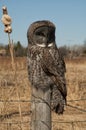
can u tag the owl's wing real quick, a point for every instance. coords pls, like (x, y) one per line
(54, 66)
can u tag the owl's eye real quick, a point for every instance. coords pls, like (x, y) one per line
(39, 33)
(51, 37)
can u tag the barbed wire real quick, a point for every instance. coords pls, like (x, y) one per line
(39, 101)
(76, 100)
(23, 100)
(53, 121)
(75, 107)
(9, 124)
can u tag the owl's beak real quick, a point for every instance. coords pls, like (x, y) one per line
(41, 45)
(50, 44)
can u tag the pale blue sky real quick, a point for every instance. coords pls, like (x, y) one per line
(69, 16)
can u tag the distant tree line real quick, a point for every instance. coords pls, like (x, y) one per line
(73, 51)
(19, 50)
(66, 51)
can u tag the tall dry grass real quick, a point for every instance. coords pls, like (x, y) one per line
(10, 111)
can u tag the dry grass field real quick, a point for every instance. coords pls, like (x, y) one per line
(15, 96)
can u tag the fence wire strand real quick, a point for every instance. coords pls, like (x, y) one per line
(2, 100)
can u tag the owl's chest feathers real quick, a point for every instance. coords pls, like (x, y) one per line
(35, 53)
(35, 63)
(36, 74)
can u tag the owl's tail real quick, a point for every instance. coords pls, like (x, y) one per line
(57, 101)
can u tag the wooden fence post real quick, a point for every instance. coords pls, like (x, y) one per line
(41, 111)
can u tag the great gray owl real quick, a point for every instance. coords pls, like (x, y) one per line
(46, 67)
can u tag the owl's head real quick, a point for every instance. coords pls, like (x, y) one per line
(41, 33)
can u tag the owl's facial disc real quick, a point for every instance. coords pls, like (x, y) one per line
(44, 36)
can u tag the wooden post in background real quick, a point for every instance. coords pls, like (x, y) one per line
(41, 111)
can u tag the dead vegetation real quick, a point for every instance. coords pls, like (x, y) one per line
(15, 96)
